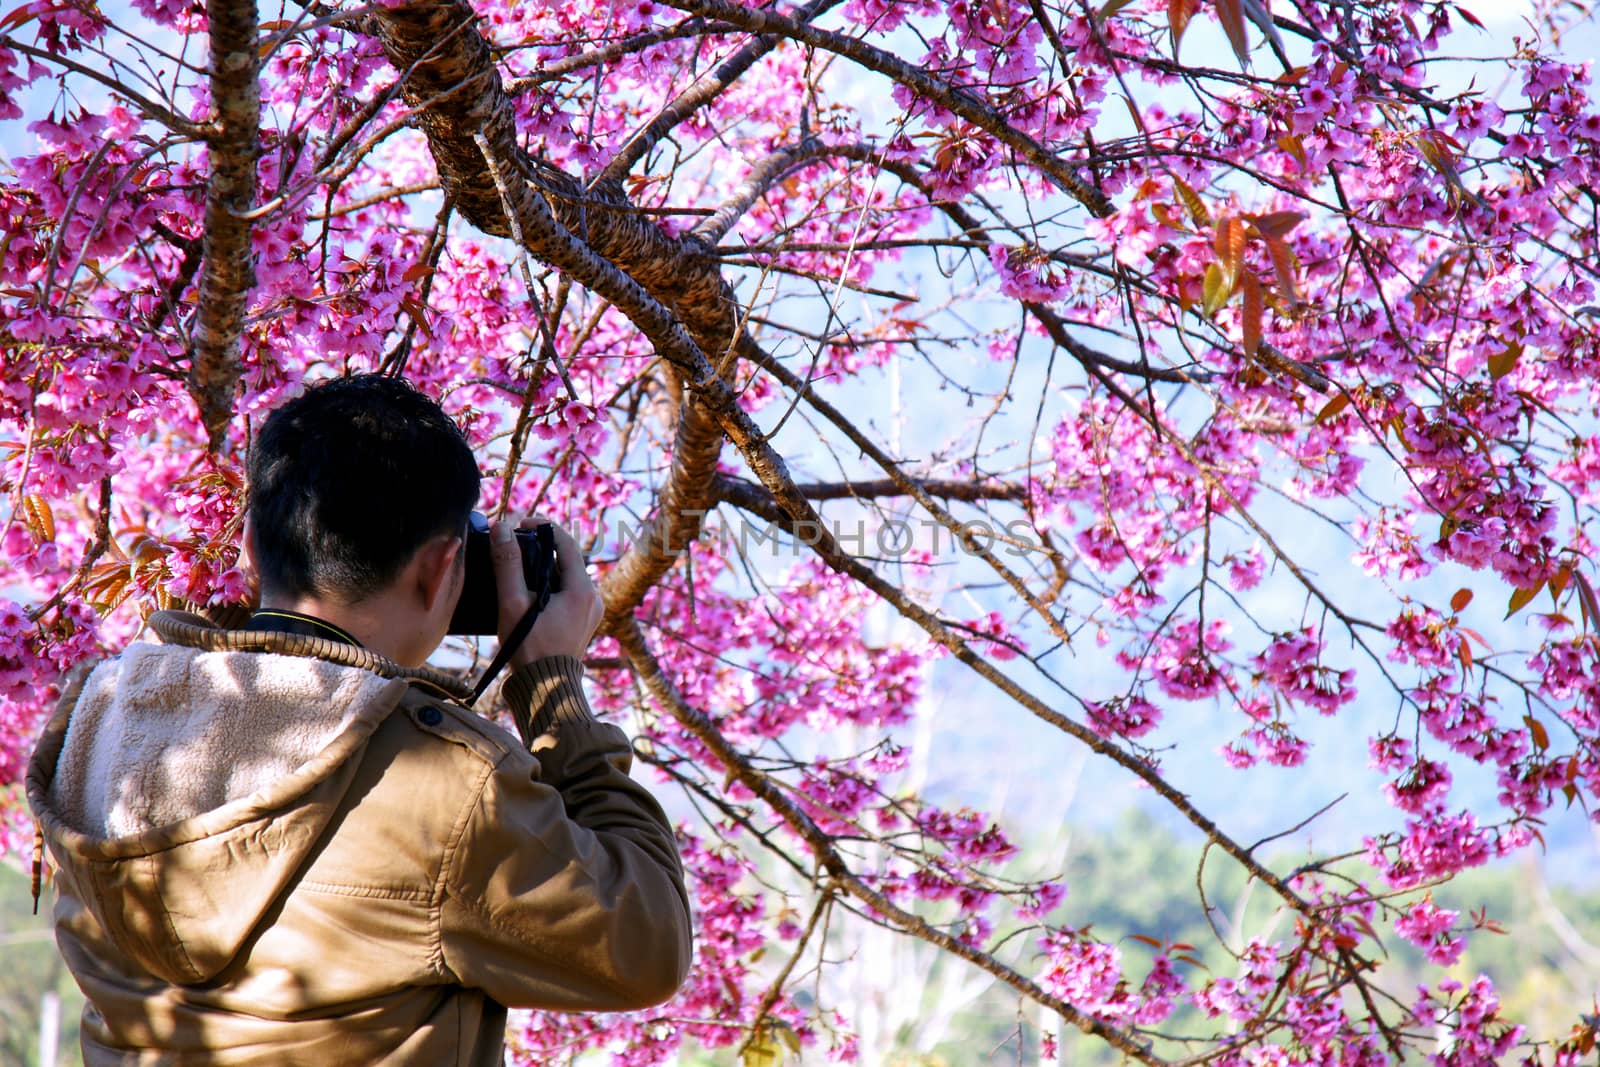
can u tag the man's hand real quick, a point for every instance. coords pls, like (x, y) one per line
(568, 622)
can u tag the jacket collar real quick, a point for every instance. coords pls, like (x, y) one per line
(298, 622)
(195, 631)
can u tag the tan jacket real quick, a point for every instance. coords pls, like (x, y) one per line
(269, 858)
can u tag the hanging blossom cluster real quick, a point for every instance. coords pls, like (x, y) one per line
(1318, 284)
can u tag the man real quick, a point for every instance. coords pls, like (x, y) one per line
(287, 845)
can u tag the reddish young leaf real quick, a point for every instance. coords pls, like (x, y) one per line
(21, 15)
(1536, 730)
(1252, 314)
(1231, 12)
(1285, 266)
(1520, 599)
(1191, 201)
(1462, 598)
(1332, 408)
(1586, 600)
(1179, 12)
(1109, 8)
(1229, 246)
(1291, 143)
(40, 520)
(1558, 582)
(1276, 223)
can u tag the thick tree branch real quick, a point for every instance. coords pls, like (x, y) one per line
(671, 288)
(228, 272)
(715, 396)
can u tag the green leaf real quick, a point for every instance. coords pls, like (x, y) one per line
(766, 1047)
(762, 1052)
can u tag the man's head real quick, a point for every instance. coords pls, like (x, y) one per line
(348, 482)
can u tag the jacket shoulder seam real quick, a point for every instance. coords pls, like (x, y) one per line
(464, 727)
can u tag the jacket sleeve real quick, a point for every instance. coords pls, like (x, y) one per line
(563, 888)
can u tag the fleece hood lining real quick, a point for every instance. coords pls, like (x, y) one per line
(150, 756)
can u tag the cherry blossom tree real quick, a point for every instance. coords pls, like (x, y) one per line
(1089, 343)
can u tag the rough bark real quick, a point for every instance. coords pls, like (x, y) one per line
(228, 272)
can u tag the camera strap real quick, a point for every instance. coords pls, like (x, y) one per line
(513, 641)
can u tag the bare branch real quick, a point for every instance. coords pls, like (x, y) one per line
(953, 99)
(698, 95)
(649, 671)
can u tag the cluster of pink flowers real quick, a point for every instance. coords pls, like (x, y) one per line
(1241, 998)
(1184, 660)
(1088, 975)
(1291, 665)
(1477, 1035)
(1430, 927)
(1129, 717)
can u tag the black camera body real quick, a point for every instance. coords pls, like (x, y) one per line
(478, 610)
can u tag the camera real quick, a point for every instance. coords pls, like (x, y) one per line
(478, 610)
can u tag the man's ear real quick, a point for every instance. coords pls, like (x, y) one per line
(247, 561)
(436, 567)
(247, 552)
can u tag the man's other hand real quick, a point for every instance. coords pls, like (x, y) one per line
(567, 624)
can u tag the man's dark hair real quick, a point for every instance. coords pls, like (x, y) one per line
(348, 480)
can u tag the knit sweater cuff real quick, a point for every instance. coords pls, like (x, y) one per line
(547, 692)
